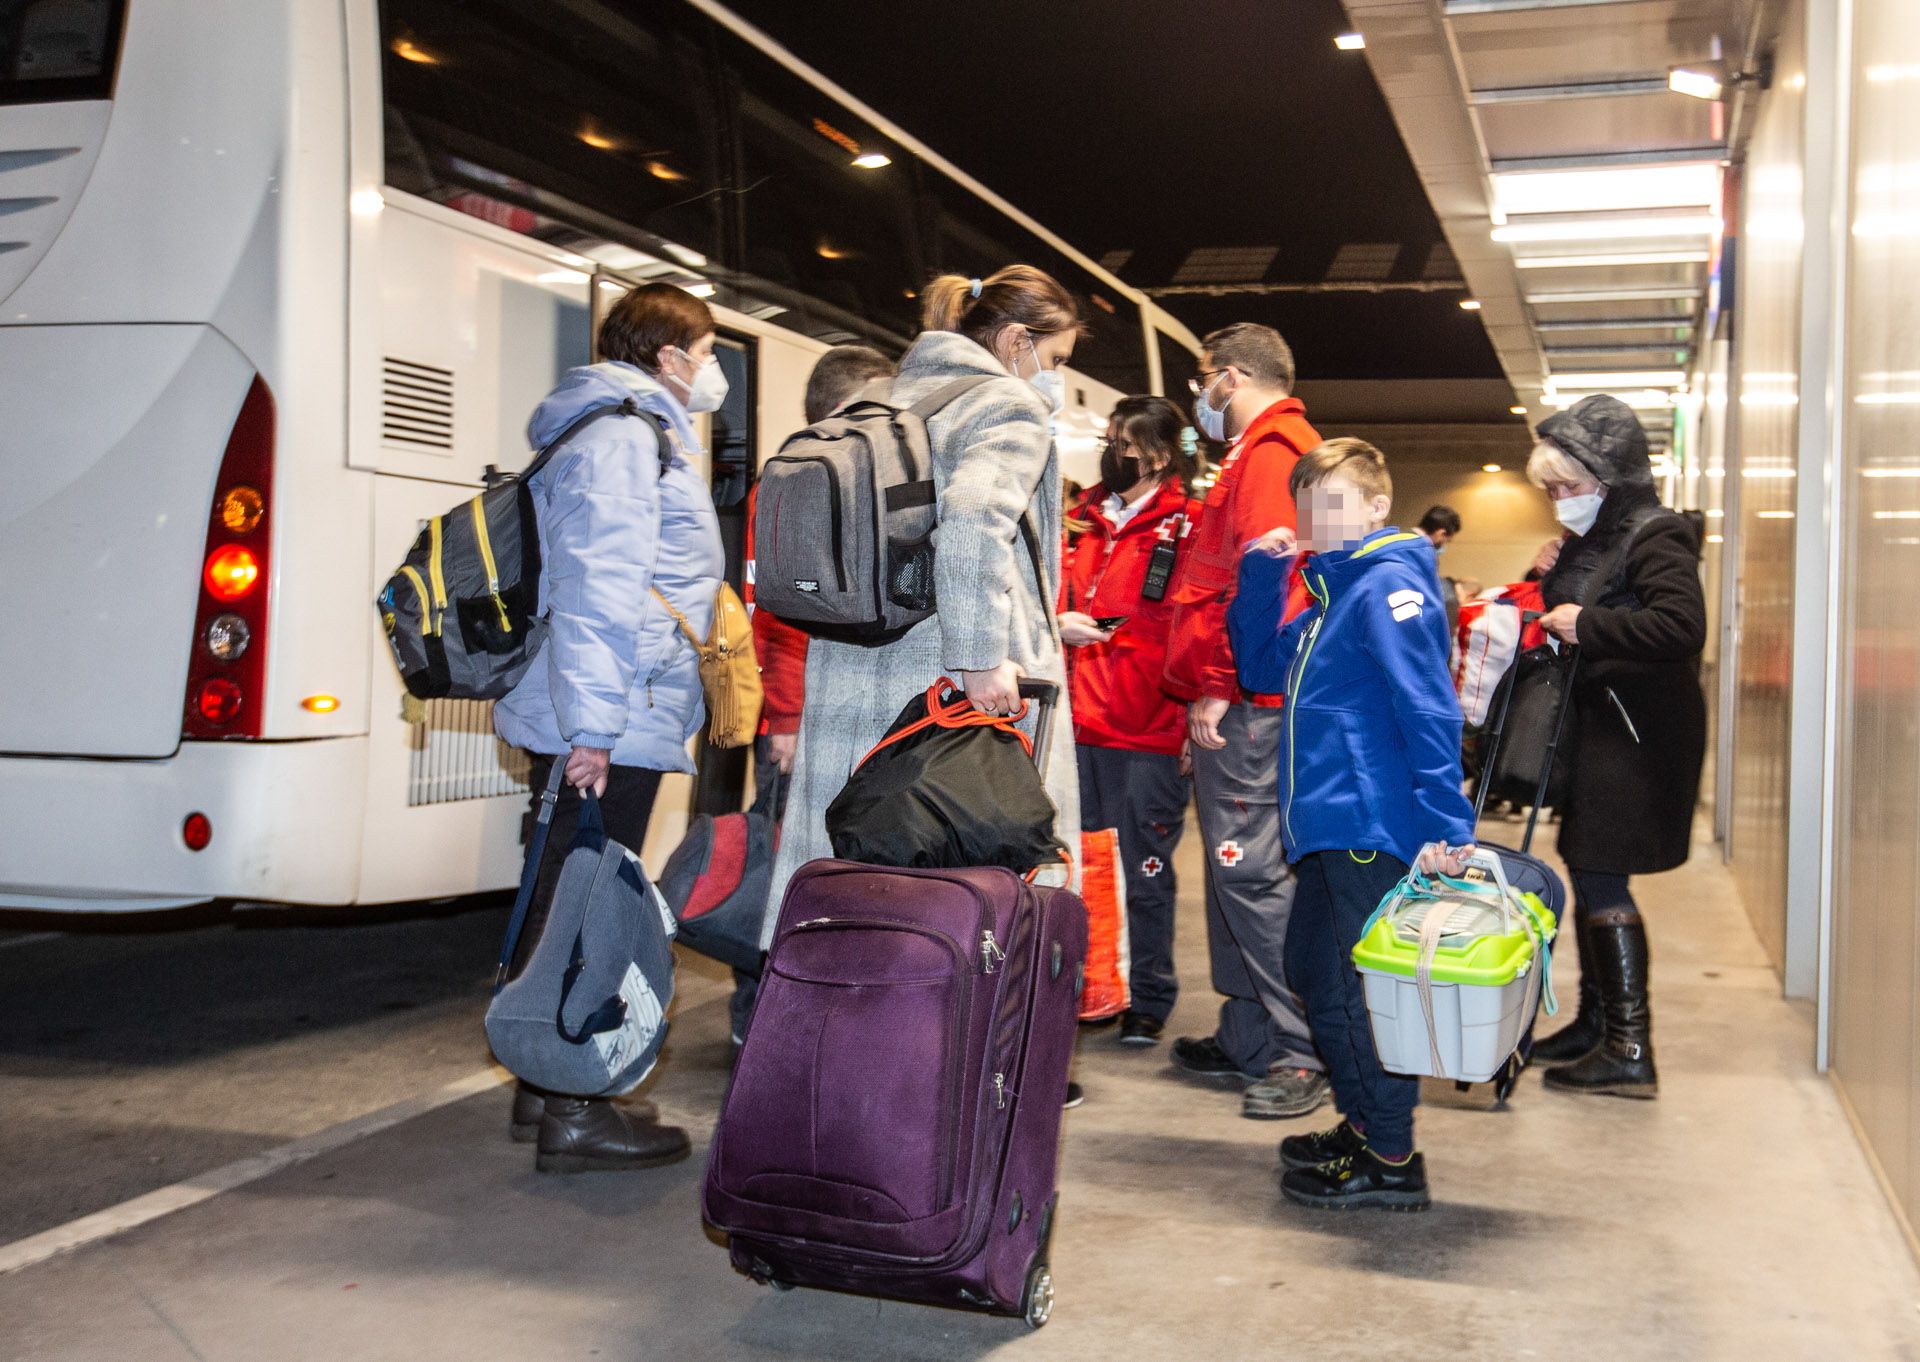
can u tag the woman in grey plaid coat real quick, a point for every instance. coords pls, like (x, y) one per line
(993, 461)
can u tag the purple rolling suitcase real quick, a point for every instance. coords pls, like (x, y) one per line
(893, 1126)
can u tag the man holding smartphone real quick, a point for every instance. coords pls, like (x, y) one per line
(1242, 396)
(1122, 553)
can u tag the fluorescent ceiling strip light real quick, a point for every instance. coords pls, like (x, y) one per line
(1692, 184)
(1574, 262)
(1611, 229)
(1620, 378)
(1649, 400)
(1615, 295)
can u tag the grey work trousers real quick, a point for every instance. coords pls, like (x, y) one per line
(1250, 895)
(1143, 796)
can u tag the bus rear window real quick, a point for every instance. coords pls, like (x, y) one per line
(58, 49)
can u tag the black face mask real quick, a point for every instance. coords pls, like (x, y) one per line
(1118, 471)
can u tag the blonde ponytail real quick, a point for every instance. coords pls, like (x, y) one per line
(944, 302)
(1018, 295)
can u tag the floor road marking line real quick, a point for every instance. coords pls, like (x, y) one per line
(88, 1229)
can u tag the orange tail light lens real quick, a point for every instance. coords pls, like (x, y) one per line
(232, 572)
(241, 508)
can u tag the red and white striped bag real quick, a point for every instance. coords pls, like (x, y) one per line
(1492, 634)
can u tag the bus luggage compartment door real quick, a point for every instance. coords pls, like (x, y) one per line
(108, 455)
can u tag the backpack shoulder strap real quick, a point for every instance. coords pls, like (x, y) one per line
(946, 393)
(629, 407)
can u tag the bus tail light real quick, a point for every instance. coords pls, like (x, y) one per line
(227, 673)
(196, 831)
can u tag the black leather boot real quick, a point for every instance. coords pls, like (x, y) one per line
(530, 1104)
(1623, 1064)
(1581, 1036)
(592, 1134)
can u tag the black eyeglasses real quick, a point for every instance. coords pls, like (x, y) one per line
(1111, 443)
(1203, 380)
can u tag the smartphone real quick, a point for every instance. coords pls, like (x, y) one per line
(1108, 623)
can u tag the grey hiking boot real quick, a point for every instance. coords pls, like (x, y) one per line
(1287, 1091)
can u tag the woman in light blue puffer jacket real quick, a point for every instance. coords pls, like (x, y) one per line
(615, 692)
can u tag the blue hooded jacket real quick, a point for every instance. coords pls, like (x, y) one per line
(1370, 744)
(616, 672)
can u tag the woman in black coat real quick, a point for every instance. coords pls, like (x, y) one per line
(1626, 589)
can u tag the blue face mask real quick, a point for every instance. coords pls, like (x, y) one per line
(1049, 383)
(1212, 420)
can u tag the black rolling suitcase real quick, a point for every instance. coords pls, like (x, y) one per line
(1550, 680)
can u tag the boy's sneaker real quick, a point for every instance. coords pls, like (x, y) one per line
(1354, 1181)
(1202, 1055)
(1287, 1091)
(1137, 1028)
(1322, 1146)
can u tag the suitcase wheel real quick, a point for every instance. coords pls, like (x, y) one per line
(1037, 1305)
(1059, 959)
(779, 1285)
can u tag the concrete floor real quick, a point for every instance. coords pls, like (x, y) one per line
(1735, 1218)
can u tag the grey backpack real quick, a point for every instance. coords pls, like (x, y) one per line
(586, 1013)
(459, 611)
(843, 536)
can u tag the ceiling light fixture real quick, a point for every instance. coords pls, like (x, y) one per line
(1469, 304)
(1712, 80)
(1611, 229)
(1575, 262)
(1517, 409)
(596, 139)
(872, 160)
(1621, 378)
(407, 50)
(660, 170)
(1699, 84)
(1350, 42)
(1682, 184)
(1489, 468)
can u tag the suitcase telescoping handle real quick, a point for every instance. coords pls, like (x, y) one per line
(1045, 695)
(1570, 660)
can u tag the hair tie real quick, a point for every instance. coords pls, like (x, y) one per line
(973, 287)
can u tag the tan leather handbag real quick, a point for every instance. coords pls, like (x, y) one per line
(729, 671)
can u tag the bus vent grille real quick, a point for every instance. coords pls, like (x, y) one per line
(456, 756)
(416, 405)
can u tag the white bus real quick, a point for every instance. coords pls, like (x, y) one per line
(279, 279)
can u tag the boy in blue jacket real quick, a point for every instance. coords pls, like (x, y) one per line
(1369, 784)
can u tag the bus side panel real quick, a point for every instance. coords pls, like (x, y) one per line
(471, 334)
(431, 827)
(482, 329)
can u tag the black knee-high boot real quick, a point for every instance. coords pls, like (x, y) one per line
(1581, 1036)
(1622, 1066)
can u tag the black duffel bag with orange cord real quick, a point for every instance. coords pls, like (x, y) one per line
(952, 788)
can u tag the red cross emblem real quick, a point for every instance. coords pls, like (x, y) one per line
(1166, 532)
(1229, 854)
(1151, 867)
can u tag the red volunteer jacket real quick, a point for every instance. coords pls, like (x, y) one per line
(780, 649)
(1117, 700)
(1249, 498)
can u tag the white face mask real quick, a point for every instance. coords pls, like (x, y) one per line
(1579, 513)
(709, 387)
(1049, 383)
